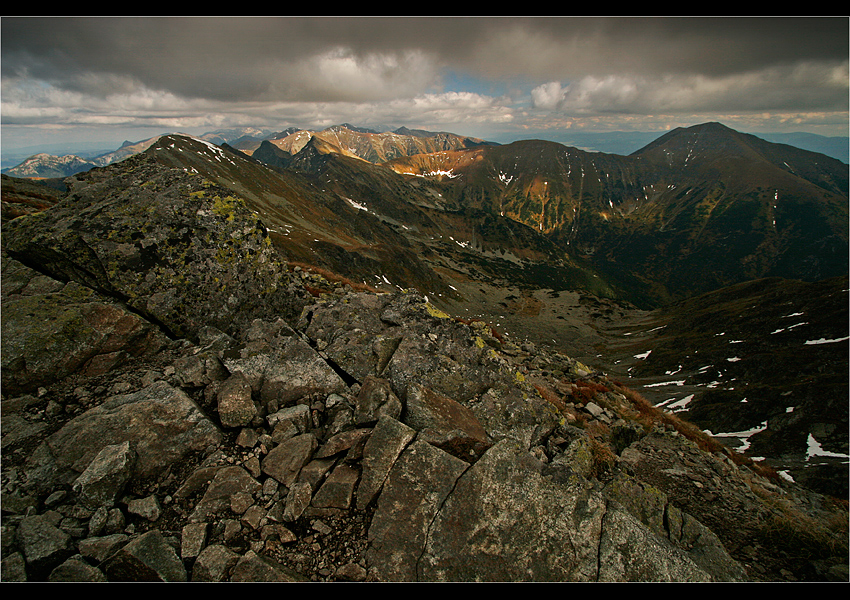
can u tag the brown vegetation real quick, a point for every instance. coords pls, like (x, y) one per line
(650, 415)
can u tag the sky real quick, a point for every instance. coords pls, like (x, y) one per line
(110, 79)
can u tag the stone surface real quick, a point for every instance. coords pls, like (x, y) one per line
(285, 461)
(227, 483)
(235, 404)
(146, 558)
(76, 570)
(104, 479)
(418, 484)
(46, 337)
(376, 399)
(445, 423)
(43, 544)
(162, 424)
(388, 440)
(214, 564)
(338, 489)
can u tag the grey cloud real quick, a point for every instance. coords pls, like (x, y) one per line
(241, 58)
(302, 71)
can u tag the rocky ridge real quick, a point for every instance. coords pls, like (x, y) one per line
(189, 407)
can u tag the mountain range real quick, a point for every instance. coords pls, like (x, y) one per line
(707, 270)
(482, 228)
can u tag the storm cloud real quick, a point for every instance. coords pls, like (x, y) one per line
(475, 74)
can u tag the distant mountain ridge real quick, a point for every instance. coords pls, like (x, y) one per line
(380, 144)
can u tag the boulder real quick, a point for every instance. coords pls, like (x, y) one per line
(104, 479)
(162, 425)
(68, 329)
(148, 557)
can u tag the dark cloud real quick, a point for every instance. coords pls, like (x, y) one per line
(242, 57)
(234, 70)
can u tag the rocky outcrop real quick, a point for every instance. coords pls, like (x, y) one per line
(222, 424)
(175, 248)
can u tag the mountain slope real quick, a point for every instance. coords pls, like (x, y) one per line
(696, 210)
(762, 365)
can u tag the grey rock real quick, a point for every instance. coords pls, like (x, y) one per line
(75, 569)
(453, 374)
(283, 371)
(97, 523)
(297, 500)
(147, 508)
(43, 544)
(387, 441)
(228, 482)
(99, 549)
(509, 411)
(114, 521)
(104, 479)
(254, 517)
(46, 337)
(578, 457)
(632, 553)
(253, 567)
(343, 442)
(593, 408)
(315, 471)
(200, 369)
(148, 557)
(445, 423)
(142, 242)
(338, 489)
(14, 568)
(298, 415)
(511, 522)
(285, 461)
(162, 424)
(418, 484)
(351, 333)
(214, 564)
(18, 430)
(235, 405)
(376, 399)
(350, 572)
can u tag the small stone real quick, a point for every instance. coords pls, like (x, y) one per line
(214, 563)
(147, 508)
(75, 569)
(235, 406)
(104, 479)
(350, 572)
(193, 540)
(149, 557)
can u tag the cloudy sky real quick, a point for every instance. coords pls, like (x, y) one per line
(111, 79)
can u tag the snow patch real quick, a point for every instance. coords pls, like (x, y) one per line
(825, 341)
(815, 449)
(742, 435)
(677, 382)
(356, 205)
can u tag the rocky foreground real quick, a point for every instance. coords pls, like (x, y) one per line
(180, 405)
